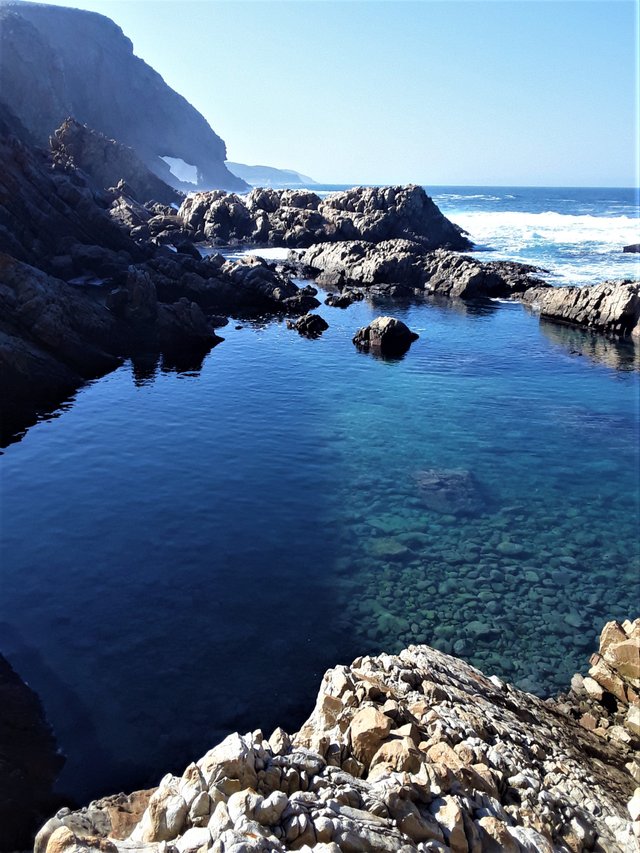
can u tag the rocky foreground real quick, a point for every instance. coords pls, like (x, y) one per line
(411, 752)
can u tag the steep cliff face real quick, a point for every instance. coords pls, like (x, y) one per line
(57, 62)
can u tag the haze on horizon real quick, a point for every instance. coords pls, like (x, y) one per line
(519, 93)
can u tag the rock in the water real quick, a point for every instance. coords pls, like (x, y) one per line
(634, 248)
(309, 325)
(612, 307)
(385, 335)
(343, 299)
(451, 491)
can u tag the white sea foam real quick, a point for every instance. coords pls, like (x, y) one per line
(530, 229)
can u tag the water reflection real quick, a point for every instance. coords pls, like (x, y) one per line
(613, 352)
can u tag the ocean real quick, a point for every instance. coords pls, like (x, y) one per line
(185, 551)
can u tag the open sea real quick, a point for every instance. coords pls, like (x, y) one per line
(184, 552)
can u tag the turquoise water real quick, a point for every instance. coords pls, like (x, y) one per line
(185, 553)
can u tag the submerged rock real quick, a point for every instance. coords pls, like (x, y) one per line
(451, 491)
(411, 752)
(385, 335)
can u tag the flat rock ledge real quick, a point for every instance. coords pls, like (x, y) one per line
(411, 752)
(612, 307)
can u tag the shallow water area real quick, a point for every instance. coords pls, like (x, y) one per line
(185, 553)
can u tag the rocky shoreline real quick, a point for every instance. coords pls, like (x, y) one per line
(92, 274)
(411, 752)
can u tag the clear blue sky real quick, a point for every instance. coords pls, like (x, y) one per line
(526, 92)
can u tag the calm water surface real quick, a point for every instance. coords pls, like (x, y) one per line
(184, 554)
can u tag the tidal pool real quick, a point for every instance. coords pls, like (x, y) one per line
(185, 553)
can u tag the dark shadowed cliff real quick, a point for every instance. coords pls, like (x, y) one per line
(57, 62)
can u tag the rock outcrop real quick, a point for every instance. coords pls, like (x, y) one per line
(385, 336)
(402, 266)
(607, 701)
(299, 218)
(86, 279)
(612, 307)
(309, 325)
(634, 248)
(107, 162)
(411, 752)
(77, 63)
(29, 762)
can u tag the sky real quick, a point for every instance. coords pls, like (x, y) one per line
(468, 92)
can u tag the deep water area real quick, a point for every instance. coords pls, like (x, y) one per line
(185, 552)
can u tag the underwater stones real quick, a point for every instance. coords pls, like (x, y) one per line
(385, 336)
(450, 491)
(387, 547)
(510, 549)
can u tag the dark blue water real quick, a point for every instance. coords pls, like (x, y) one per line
(185, 553)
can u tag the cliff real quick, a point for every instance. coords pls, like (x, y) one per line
(80, 64)
(268, 176)
(411, 752)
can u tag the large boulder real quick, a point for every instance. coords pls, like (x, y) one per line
(385, 336)
(612, 307)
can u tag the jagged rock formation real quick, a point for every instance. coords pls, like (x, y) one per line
(309, 325)
(404, 266)
(107, 162)
(607, 701)
(29, 762)
(411, 752)
(80, 64)
(78, 293)
(612, 307)
(298, 218)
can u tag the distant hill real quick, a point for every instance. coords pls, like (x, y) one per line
(268, 176)
(57, 62)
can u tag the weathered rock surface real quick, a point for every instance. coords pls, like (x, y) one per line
(77, 63)
(607, 701)
(310, 325)
(386, 336)
(107, 162)
(404, 266)
(299, 218)
(612, 307)
(29, 762)
(416, 751)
